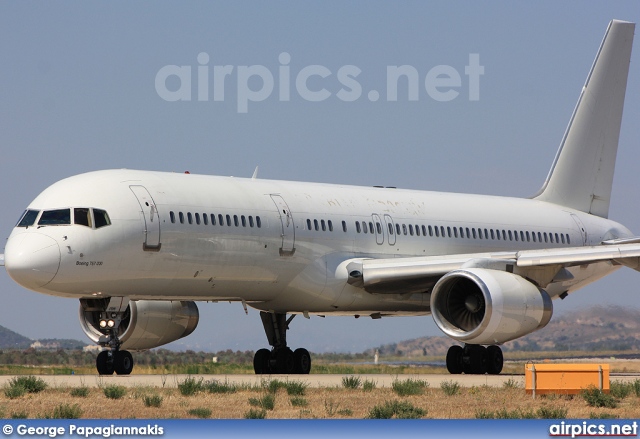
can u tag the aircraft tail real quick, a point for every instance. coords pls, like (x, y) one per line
(582, 173)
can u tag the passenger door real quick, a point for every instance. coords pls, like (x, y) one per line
(150, 218)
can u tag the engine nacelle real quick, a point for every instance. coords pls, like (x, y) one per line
(146, 324)
(484, 306)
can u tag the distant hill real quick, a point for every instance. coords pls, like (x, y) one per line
(591, 329)
(13, 340)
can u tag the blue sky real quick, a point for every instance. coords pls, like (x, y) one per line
(78, 93)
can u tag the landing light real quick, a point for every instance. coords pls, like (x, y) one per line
(103, 323)
(111, 323)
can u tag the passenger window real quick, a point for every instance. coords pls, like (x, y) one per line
(455, 232)
(473, 231)
(461, 232)
(197, 218)
(220, 219)
(424, 231)
(250, 221)
(308, 224)
(521, 236)
(358, 226)
(430, 231)
(417, 230)
(493, 236)
(82, 216)
(229, 220)
(258, 222)
(442, 231)
(344, 226)
(449, 232)
(371, 228)
(480, 233)
(213, 219)
(101, 218)
(28, 218)
(557, 240)
(527, 236)
(568, 239)
(315, 225)
(205, 219)
(539, 237)
(364, 227)
(55, 217)
(510, 236)
(562, 236)
(189, 218)
(172, 216)
(181, 216)
(323, 225)
(411, 229)
(390, 227)
(243, 221)
(404, 229)
(551, 237)
(235, 220)
(330, 224)
(437, 232)
(397, 229)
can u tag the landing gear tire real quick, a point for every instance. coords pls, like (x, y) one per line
(454, 360)
(104, 364)
(261, 362)
(478, 359)
(495, 360)
(301, 361)
(284, 361)
(122, 362)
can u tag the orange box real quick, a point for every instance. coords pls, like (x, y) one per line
(568, 379)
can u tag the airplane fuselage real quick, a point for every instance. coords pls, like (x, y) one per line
(279, 246)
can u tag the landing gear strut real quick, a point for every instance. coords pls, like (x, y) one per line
(474, 359)
(280, 359)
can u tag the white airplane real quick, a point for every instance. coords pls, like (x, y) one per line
(139, 248)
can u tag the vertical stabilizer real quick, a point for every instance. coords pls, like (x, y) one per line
(582, 172)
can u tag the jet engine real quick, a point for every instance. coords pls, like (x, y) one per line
(145, 324)
(485, 306)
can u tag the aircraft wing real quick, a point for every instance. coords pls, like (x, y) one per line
(420, 274)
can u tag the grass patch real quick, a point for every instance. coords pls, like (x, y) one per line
(20, 415)
(13, 392)
(603, 415)
(190, 386)
(152, 400)
(218, 387)
(255, 414)
(351, 382)
(67, 411)
(450, 388)
(597, 398)
(620, 390)
(266, 402)
(511, 384)
(409, 387)
(200, 412)
(503, 413)
(30, 383)
(80, 392)
(397, 409)
(368, 385)
(552, 413)
(114, 392)
(298, 401)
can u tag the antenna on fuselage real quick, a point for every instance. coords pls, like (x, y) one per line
(255, 173)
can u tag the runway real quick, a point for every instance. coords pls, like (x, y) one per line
(313, 381)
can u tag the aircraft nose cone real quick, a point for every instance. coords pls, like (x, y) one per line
(32, 259)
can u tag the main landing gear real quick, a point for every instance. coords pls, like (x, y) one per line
(280, 359)
(474, 359)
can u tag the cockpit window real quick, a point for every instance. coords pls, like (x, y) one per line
(101, 218)
(55, 217)
(28, 218)
(82, 216)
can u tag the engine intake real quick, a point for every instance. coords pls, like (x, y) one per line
(484, 306)
(146, 324)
